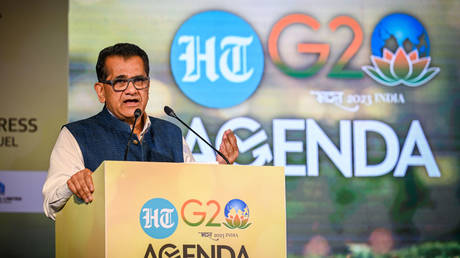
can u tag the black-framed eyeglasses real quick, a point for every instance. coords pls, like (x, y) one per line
(121, 84)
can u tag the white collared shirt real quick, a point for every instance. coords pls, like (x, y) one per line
(67, 159)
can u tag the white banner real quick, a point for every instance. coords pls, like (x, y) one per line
(21, 191)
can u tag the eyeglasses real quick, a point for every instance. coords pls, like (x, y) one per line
(119, 85)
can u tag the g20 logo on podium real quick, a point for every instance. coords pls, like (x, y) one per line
(158, 218)
(194, 213)
(236, 214)
(217, 59)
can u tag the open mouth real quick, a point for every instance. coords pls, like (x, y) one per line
(129, 101)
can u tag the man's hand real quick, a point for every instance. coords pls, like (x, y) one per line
(228, 147)
(81, 184)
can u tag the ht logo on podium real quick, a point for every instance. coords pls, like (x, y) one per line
(217, 59)
(158, 218)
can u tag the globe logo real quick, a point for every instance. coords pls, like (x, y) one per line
(158, 218)
(400, 52)
(236, 214)
(2, 188)
(217, 59)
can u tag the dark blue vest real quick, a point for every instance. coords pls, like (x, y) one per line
(104, 137)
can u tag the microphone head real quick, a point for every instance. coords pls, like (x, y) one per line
(169, 111)
(137, 113)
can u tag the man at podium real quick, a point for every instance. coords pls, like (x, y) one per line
(123, 82)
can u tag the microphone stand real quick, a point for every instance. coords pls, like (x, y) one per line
(137, 114)
(171, 113)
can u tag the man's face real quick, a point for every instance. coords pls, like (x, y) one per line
(123, 104)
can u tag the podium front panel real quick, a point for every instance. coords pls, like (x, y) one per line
(194, 210)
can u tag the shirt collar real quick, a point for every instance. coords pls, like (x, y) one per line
(147, 123)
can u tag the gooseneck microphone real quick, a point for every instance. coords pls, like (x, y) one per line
(171, 113)
(137, 114)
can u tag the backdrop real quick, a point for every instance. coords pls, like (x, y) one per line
(356, 99)
(33, 107)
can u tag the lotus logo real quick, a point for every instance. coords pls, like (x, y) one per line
(401, 68)
(400, 52)
(236, 214)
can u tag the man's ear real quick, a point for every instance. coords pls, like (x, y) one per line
(99, 88)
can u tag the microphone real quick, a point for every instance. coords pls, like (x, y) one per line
(137, 114)
(171, 113)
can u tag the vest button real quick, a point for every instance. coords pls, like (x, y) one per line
(135, 142)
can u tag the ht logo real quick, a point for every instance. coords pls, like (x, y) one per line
(151, 218)
(158, 218)
(217, 59)
(235, 45)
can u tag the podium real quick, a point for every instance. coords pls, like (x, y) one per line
(155, 209)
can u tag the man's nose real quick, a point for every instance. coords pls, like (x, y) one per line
(130, 89)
